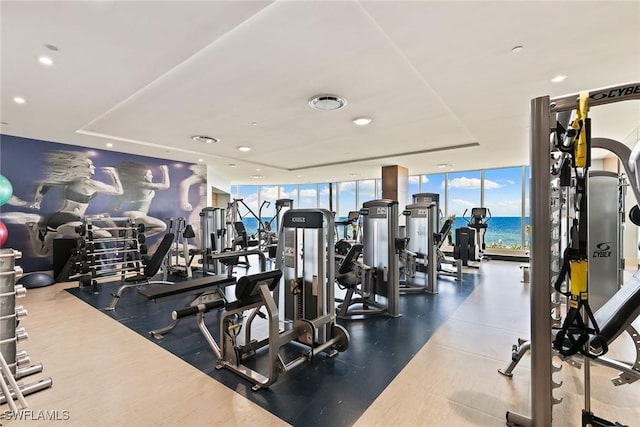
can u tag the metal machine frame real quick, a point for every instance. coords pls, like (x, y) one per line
(543, 119)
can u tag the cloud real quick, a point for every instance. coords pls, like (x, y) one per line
(309, 192)
(415, 179)
(472, 183)
(490, 185)
(269, 192)
(425, 179)
(347, 186)
(464, 182)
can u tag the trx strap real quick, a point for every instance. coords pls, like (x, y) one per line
(575, 333)
(581, 148)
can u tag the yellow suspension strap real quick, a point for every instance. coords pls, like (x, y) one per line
(581, 146)
(575, 333)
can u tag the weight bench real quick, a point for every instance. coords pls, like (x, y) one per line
(207, 289)
(613, 318)
(151, 269)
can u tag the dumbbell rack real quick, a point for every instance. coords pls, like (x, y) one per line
(14, 363)
(126, 248)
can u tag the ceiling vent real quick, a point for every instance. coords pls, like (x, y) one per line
(327, 102)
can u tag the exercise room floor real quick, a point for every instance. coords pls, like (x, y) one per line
(106, 374)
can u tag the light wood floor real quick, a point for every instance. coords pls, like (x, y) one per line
(107, 375)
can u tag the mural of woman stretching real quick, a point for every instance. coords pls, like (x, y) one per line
(73, 171)
(139, 191)
(199, 179)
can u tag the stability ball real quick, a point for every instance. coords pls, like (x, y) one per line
(4, 234)
(6, 190)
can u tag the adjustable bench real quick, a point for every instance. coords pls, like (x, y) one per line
(158, 293)
(613, 318)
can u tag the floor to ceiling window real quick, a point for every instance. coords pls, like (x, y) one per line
(249, 195)
(324, 191)
(434, 183)
(463, 195)
(503, 198)
(307, 196)
(414, 187)
(366, 191)
(346, 199)
(504, 191)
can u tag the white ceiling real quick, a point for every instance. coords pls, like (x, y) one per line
(147, 75)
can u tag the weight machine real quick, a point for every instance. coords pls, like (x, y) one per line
(213, 234)
(560, 157)
(378, 285)
(421, 220)
(265, 238)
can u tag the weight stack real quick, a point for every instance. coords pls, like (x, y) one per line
(10, 334)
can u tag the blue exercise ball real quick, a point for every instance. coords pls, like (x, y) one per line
(36, 280)
(6, 190)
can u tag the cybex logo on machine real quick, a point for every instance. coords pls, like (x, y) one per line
(616, 93)
(299, 219)
(603, 250)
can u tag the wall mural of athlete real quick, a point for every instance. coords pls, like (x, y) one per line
(74, 172)
(199, 179)
(139, 191)
(58, 187)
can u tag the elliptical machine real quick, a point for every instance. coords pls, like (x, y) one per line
(470, 243)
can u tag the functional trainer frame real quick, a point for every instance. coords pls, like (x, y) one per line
(543, 113)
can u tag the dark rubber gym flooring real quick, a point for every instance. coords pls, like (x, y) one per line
(331, 391)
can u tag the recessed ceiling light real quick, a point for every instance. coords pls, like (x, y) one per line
(362, 121)
(559, 78)
(354, 174)
(232, 165)
(258, 169)
(256, 176)
(206, 139)
(254, 123)
(200, 160)
(52, 47)
(327, 102)
(445, 165)
(244, 148)
(45, 60)
(19, 100)
(109, 144)
(517, 49)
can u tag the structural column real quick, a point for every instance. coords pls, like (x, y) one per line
(395, 184)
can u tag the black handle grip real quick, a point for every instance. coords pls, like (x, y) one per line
(195, 309)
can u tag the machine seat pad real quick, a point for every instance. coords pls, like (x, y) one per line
(620, 310)
(352, 255)
(247, 287)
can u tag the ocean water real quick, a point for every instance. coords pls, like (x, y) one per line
(502, 231)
